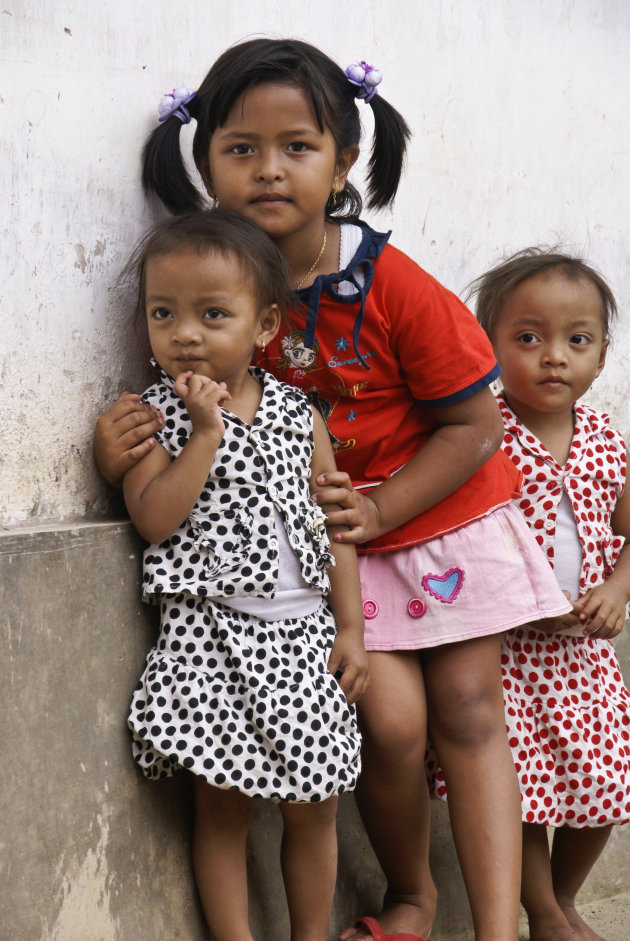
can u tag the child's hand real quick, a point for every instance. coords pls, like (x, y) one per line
(560, 622)
(203, 398)
(123, 435)
(360, 514)
(348, 657)
(602, 610)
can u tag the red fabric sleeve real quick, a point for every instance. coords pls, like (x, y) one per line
(442, 350)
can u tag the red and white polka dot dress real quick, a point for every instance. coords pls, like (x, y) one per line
(567, 707)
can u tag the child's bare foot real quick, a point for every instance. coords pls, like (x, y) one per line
(580, 929)
(396, 917)
(551, 929)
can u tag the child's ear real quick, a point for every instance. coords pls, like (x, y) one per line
(268, 325)
(345, 162)
(602, 358)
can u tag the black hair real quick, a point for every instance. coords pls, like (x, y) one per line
(492, 287)
(215, 230)
(333, 99)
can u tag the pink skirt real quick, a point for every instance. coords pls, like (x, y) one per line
(482, 579)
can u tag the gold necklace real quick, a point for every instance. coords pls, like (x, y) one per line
(315, 263)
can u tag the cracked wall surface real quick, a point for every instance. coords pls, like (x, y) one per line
(519, 117)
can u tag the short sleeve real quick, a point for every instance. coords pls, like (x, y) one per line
(444, 355)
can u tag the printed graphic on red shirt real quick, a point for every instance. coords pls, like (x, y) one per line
(297, 363)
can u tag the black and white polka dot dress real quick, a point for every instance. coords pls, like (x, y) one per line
(244, 702)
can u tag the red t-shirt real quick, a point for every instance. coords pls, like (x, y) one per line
(423, 347)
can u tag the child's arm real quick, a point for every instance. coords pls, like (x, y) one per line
(602, 610)
(123, 435)
(159, 492)
(467, 435)
(348, 654)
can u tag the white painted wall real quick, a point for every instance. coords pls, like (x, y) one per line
(522, 136)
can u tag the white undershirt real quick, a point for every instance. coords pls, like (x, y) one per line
(567, 549)
(293, 597)
(349, 240)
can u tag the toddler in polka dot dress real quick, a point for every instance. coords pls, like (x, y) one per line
(567, 708)
(260, 655)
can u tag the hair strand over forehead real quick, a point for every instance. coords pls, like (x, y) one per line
(492, 288)
(220, 231)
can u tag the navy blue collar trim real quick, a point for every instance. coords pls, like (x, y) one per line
(371, 245)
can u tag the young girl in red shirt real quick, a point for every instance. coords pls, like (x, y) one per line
(401, 372)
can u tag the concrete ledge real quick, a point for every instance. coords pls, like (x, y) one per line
(91, 851)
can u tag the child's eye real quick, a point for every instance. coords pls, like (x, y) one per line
(241, 149)
(161, 313)
(213, 313)
(297, 147)
(528, 338)
(579, 339)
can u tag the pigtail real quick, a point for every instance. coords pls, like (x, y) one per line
(389, 145)
(163, 170)
(332, 92)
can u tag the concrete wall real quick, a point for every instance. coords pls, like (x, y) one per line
(519, 114)
(521, 136)
(90, 850)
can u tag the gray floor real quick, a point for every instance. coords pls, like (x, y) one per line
(608, 917)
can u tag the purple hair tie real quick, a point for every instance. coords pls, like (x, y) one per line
(174, 102)
(366, 77)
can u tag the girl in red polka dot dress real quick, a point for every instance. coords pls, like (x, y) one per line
(567, 708)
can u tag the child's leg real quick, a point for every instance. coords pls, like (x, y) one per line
(547, 921)
(392, 793)
(574, 853)
(467, 728)
(309, 866)
(222, 820)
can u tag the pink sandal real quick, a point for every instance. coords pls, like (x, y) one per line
(378, 934)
